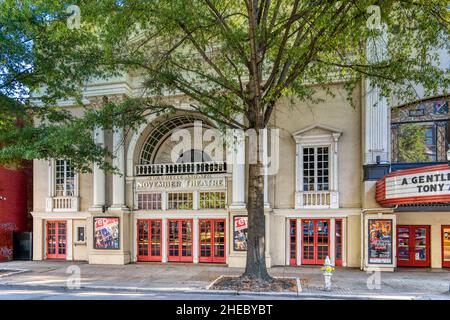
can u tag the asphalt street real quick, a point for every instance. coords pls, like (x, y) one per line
(11, 293)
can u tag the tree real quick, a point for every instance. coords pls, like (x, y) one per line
(238, 58)
(411, 143)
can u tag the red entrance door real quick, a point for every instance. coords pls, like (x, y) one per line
(180, 240)
(56, 240)
(413, 246)
(316, 240)
(149, 240)
(212, 240)
(445, 234)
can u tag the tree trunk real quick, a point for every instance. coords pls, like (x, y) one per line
(255, 268)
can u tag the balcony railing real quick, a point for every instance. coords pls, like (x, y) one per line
(316, 199)
(69, 204)
(180, 168)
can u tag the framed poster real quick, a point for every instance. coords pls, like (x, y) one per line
(240, 230)
(380, 241)
(106, 233)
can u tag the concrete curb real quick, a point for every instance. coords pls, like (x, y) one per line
(214, 292)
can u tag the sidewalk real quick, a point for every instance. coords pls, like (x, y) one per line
(351, 283)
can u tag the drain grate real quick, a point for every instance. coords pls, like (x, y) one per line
(321, 290)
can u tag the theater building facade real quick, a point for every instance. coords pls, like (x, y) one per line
(365, 184)
(193, 209)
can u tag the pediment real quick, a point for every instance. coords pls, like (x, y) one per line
(317, 131)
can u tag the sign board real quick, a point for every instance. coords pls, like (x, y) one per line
(180, 182)
(411, 186)
(380, 241)
(106, 233)
(240, 233)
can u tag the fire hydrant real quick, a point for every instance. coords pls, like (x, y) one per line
(327, 269)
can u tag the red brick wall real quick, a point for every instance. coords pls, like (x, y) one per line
(16, 188)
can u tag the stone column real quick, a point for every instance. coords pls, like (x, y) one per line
(238, 185)
(164, 241)
(376, 111)
(99, 175)
(195, 242)
(118, 200)
(39, 238)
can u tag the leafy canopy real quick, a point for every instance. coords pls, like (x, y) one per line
(231, 59)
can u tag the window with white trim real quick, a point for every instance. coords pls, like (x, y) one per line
(149, 201)
(316, 183)
(212, 200)
(64, 179)
(316, 173)
(178, 200)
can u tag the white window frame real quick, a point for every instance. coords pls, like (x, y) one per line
(152, 201)
(52, 181)
(316, 183)
(211, 201)
(65, 177)
(307, 138)
(61, 203)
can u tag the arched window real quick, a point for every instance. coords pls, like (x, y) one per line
(161, 132)
(193, 155)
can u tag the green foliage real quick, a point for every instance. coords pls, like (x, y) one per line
(230, 58)
(411, 143)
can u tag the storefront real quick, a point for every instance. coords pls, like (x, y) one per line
(420, 199)
(311, 240)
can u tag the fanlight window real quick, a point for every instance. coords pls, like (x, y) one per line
(159, 133)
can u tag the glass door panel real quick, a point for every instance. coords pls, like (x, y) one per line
(219, 241)
(446, 246)
(156, 239)
(322, 241)
(186, 236)
(174, 240)
(205, 240)
(420, 246)
(403, 244)
(308, 242)
(338, 245)
(62, 239)
(292, 242)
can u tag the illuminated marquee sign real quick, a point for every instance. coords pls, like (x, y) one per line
(180, 182)
(419, 185)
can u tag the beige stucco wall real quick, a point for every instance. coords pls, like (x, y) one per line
(335, 112)
(353, 241)
(80, 249)
(40, 184)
